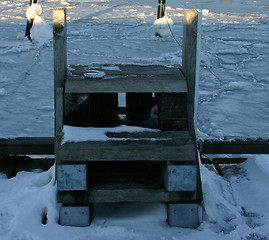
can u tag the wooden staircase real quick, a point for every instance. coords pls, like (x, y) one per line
(150, 166)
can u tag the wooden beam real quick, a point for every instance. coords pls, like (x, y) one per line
(45, 146)
(124, 195)
(248, 146)
(127, 78)
(126, 84)
(191, 62)
(27, 146)
(167, 146)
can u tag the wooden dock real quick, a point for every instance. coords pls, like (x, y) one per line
(158, 166)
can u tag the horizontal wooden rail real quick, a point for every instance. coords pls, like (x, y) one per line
(238, 146)
(27, 146)
(45, 146)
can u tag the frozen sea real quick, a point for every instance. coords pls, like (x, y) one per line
(233, 96)
(233, 101)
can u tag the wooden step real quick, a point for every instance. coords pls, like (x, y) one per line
(146, 146)
(127, 69)
(125, 190)
(129, 78)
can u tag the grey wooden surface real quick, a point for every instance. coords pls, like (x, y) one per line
(167, 146)
(125, 84)
(45, 146)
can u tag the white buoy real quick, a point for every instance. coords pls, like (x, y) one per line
(33, 11)
(162, 26)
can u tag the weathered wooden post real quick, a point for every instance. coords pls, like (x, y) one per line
(75, 215)
(191, 63)
(188, 214)
(60, 66)
(60, 59)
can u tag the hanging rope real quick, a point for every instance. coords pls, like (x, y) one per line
(165, 15)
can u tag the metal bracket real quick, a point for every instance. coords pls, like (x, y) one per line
(185, 215)
(78, 216)
(72, 177)
(180, 178)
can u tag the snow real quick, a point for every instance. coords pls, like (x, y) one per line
(84, 134)
(233, 101)
(2, 91)
(41, 31)
(235, 207)
(234, 58)
(94, 74)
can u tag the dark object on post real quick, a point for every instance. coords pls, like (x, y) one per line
(29, 24)
(28, 28)
(161, 9)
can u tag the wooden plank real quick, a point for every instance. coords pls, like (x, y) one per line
(191, 62)
(59, 112)
(248, 146)
(126, 195)
(28, 146)
(45, 145)
(126, 84)
(128, 69)
(124, 190)
(162, 146)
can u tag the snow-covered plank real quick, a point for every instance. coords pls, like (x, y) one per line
(160, 146)
(125, 84)
(128, 69)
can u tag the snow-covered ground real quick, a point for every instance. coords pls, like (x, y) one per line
(233, 101)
